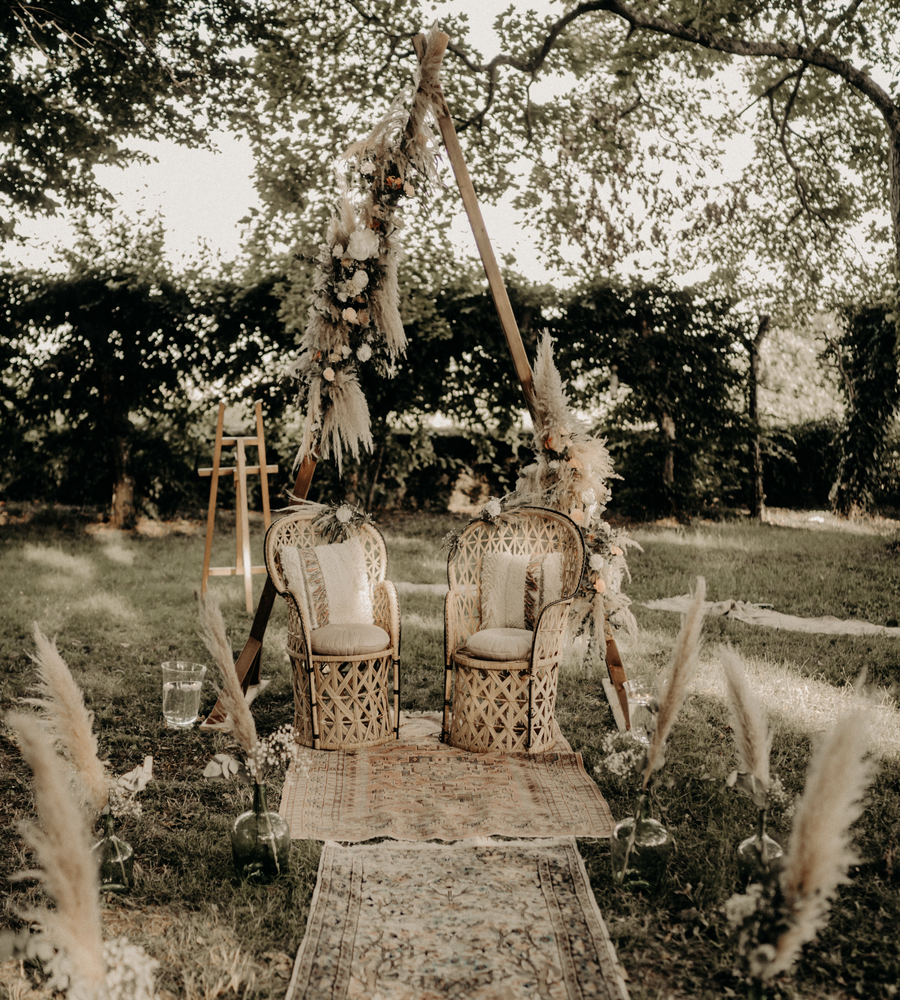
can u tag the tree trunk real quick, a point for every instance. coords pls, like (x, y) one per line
(122, 511)
(754, 346)
(667, 426)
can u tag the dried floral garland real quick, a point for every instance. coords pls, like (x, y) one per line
(571, 474)
(354, 318)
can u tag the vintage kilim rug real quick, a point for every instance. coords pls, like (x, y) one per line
(420, 789)
(505, 920)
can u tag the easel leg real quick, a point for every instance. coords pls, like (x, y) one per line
(263, 476)
(244, 562)
(213, 491)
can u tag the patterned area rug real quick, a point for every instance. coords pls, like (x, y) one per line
(420, 789)
(501, 921)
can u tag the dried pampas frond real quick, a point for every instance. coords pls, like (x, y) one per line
(69, 721)
(820, 849)
(553, 419)
(384, 307)
(62, 845)
(673, 686)
(354, 316)
(239, 720)
(345, 423)
(752, 737)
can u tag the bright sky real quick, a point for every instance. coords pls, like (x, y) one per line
(202, 194)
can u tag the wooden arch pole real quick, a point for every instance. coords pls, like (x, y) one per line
(482, 241)
(504, 309)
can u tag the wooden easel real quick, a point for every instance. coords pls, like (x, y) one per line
(248, 663)
(243, 565)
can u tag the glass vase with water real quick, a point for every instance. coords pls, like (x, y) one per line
(182, 683)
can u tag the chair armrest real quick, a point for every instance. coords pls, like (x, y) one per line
(299, 628)
(550, 634)
(462, 618)
(386, 610)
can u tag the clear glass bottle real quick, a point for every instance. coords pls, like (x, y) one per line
(639, 848)
(115, 859)
(260, 841)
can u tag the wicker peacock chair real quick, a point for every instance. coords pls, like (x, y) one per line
(511, 584)
(346, 673)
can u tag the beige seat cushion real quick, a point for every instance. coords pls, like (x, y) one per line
(348, 639)
(499, 644)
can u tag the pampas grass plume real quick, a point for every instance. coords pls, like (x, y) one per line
(550, 395)
(239, 720)
(752, 738)
(674, 685)
(69, 721)
(62, 845)
(820, 849)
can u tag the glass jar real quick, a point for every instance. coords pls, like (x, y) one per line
(639, 849)
(115, 859)
(260, 841)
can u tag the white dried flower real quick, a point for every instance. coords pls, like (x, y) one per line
(743, 905)
(345, 351)
(492, 508)
(596, 561)
(367, 168)
(364, 352)
(344, 514)
(363, 244)
(328, 374)
(349, 314)
(359, 280)
(338, 251)
(130, 971)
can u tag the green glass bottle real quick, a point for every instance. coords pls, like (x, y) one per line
(260, 841)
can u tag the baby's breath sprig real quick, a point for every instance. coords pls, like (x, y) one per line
(267, 753)
(623, 756)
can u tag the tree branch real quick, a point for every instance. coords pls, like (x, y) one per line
(782, 126)
(801, 13)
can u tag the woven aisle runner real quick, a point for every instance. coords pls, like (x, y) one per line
(420, 789)
(508, 920)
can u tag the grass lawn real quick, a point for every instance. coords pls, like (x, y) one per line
(118, 605)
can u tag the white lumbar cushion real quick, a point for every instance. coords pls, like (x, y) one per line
(499, 644)
(515, 588)
(332, 582)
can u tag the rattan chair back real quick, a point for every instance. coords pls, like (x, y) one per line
(531, 531)
(340, 701)
(506, 706)
(298, 529)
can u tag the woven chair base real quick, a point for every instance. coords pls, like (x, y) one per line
(490, 707)
(355, 704)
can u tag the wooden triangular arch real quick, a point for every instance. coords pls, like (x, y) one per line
(248, 663)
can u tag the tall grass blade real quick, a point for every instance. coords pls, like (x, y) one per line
(820, 850)
(673, 686)
(61, 843)
(69, 721)
(752, 737)
(239, 720)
